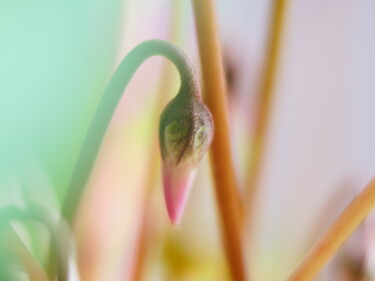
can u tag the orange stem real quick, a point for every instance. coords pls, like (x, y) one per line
(265, 102)
(339, 232)
(227, 195)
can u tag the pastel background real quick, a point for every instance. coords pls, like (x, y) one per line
(56, 58)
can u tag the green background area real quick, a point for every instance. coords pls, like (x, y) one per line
(56, 58)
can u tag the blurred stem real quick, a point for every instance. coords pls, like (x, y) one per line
(59, 253)
(148, 226)
(60, 247)
(148, 221)
(33, 269)
(227, 195)
(339, 232)
(264, 104)
(107, 107)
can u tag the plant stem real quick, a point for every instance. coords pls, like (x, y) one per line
(33, 269)
(59, 250)
(227, 195)
(15, 244)
(265, 95)
(339, 232)
(108, 105)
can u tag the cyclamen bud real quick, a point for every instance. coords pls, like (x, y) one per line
(185, 128)
(185, 133)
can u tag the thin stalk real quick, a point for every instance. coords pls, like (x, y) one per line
(107, 107)
(338, 233)
(265, 95)
(227, 195)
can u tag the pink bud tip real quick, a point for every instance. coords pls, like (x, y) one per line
(177, 181)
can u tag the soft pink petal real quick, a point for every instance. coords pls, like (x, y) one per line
(177, 181)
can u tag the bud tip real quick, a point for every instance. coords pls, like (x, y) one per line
(177, 181)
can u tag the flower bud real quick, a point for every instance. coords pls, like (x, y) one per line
(185, 133)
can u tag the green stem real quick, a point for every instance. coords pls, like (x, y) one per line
(33, 269)
(59, 234)
(108, 105)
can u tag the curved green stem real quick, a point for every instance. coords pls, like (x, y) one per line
(108, 105)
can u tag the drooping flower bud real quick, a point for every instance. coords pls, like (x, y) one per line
(185, 133)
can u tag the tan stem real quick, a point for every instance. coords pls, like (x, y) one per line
(227, 195)
(148, 227)
(265, 95)
(339, 232)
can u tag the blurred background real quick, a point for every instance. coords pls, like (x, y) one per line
(56, 58)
